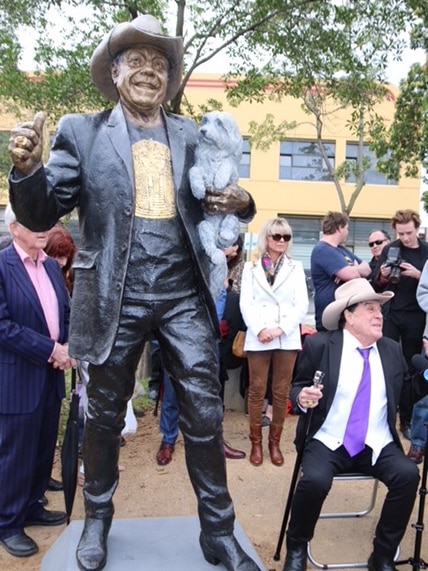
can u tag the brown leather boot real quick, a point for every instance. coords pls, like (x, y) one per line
(274, 437)
(256, 456)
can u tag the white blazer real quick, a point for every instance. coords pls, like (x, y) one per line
(285, 304)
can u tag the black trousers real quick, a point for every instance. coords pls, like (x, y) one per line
(27, 448)
(320, 465)
(189, 352)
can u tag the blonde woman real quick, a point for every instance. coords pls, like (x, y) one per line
(274, 302)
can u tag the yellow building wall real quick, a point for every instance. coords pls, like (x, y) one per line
(274, 196)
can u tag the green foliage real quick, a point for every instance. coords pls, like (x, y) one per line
(405, 143)
(265, 133)
(197, 112)
(419, 32)
(61, 81)
(4, 155)
(208, 27)
(424, 200)
(328, 54)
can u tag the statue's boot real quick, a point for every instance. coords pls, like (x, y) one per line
(91, 551)
(101, 454)
(206, 465)
(226, 549)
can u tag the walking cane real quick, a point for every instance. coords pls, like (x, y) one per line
(416, 561)
(318, 377)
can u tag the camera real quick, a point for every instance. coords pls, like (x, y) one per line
(394, 261)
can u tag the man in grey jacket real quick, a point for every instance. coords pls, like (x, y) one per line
(418, 431)
(140, 270)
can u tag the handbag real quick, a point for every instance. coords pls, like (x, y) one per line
(238, 345)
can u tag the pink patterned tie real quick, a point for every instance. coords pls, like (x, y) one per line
(358, 421)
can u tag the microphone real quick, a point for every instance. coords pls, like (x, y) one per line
(317, 380)
(319, 375)
(421, 365)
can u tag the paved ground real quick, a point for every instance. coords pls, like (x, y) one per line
(259, 494)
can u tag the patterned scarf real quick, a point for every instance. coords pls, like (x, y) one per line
(271, 269)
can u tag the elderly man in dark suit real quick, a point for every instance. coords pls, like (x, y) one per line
(353, 425)
(140, 269)
(34, 316)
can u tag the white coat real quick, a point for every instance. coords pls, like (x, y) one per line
(284, 305)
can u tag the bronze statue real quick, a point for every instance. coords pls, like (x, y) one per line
(140, 270)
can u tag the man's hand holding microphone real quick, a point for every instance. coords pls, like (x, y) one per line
(309, 396)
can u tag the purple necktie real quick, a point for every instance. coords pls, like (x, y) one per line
(358, 421)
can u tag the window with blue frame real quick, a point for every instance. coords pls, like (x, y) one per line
(302, 160)
(372, 176)
(244, 165)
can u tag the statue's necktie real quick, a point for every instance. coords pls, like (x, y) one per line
(358, 421)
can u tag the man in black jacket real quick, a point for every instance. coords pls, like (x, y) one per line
(352, 353)
(140, 269)
(399, 269)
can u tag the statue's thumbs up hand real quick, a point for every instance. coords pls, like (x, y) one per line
(26, 143)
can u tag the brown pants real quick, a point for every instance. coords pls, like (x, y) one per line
(282, 370)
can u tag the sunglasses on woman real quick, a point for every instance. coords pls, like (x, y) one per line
(278, 237)
(376, 243)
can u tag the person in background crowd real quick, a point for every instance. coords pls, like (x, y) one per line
(230, 321)
(168, 422)
(34, 317)
(378, 239)
(399, 269)
(332, 263)
(235, 264)
(418, 432)
(353, 423)
(140, 270)
(274, 302)
(60, 246)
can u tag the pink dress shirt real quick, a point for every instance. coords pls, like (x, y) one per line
(44, 289)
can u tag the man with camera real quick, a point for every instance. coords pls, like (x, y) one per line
(399, 269)
(377, 241)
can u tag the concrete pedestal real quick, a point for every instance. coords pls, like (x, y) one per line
(152, 544)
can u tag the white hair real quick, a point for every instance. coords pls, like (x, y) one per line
(9, 216)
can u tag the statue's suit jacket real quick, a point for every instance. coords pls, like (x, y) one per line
(25, 343)
(323, 351)
(91, 168)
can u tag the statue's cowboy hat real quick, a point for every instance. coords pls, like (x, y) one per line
(350, 293)
(144, 30)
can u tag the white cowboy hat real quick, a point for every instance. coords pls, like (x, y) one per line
(142, 31)
(354, 291)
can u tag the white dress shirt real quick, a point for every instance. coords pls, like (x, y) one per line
(333, 429)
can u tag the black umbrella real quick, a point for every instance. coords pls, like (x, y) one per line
(70, 449)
